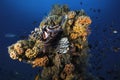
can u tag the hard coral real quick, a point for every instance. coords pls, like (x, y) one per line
(74, 35)
(79, 31)
(83, 20)
(13, 55)
(40, 61)
(69, 68)
(17, 45)
(18, 48)
(31, 53)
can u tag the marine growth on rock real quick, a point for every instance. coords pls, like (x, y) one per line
(59, 45)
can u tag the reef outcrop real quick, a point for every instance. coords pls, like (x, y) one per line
(59, 45)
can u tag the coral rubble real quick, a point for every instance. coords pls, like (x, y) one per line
(59, 45)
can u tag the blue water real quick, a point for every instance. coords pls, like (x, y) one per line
(19, 17)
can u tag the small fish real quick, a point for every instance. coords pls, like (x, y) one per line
(115, 31)
(91, 9)
(104, 30)
(81, 3)
(98, 10)
(10, 35)
(34, 22)
(94, 10)
(96, 17)
(16, 73)
(116, 49)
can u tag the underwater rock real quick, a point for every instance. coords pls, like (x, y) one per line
(59, 45)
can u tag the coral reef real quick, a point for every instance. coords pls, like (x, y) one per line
(59, 45)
